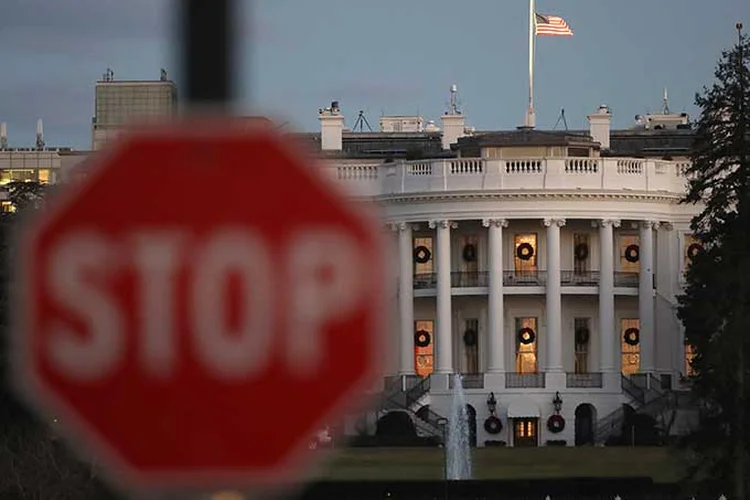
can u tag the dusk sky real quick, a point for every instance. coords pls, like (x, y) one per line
(384, 56)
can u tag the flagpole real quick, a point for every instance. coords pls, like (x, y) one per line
(530, 115)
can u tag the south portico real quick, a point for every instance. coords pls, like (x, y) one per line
(500, 283)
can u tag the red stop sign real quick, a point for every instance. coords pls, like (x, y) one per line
(199, 306)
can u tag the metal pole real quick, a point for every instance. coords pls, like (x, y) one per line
(207, 40)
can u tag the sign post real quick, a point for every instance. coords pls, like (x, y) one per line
(207, 37)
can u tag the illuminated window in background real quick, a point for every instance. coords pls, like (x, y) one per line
(631, 354)
(689, 240)
(7, 206)
(17, 175)
(426, 267)
(625, 265)
(581, 240)
(424, 355)
(526, 354)
(44, 175)
(581, 348)
(689, 355)
(530, 264)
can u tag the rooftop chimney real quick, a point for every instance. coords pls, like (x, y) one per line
(599, 125)
(331, 128)
(3, 136)
(39, 134)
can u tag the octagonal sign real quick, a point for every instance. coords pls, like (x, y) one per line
(199, 306)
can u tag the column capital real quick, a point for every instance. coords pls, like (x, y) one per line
(495, 222)
(649, 224)
(605, 223)
(445, 224)
(401, 226)
(548, 221)
(668, 226)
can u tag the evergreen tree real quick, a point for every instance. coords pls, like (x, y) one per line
(715, 308)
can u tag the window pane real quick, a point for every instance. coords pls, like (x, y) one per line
(529, 264)
(625, 265)
(526, 354)
(424, 355)
(631, 354)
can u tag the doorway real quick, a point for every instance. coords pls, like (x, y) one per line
(525, 432)
(584, 425)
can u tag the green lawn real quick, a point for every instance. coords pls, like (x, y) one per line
(353, 464)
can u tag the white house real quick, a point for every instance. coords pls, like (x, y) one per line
(543, 266)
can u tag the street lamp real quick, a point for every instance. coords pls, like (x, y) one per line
(491, 403)
(557, 402)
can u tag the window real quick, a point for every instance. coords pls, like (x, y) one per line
(471, 345)
(428, 266)
(581, 251)
(686, 250)
(528, 263)
(424, 347)
(631, 354)
(582, 336)
(627, 240)
(526, 353)
(469, 249)
(689, 355)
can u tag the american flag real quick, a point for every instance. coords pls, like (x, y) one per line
(552, 26)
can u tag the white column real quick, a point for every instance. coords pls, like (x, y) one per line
(646, 295)
(554, 299)
(406, 298)
(444, 342)
(608, 333)
(496, 335)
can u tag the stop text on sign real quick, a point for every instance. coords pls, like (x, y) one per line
(310, 277)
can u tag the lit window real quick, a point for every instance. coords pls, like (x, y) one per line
(525, 253)
(629, 253)
(424, 347)
(630, 346)
(689, 355)
(526, 345)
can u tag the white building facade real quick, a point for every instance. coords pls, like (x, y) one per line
(543, 269)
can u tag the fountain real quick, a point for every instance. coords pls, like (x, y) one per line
(457, 447)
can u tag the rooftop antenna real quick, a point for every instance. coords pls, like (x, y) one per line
(109, 75)
(39, 134)
(665, 108)
(561, 118)
(361, 122)
(3, 136)
(163, 76)
(453, 107)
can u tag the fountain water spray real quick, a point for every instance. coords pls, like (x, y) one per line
(458, 448)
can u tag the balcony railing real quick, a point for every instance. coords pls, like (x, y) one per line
(583, 380)
(579, 278)
(466, 279)
(475, 174)
(626, 279)
(524, 380)
(469, 381)
(425, 281)
(524, 278)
